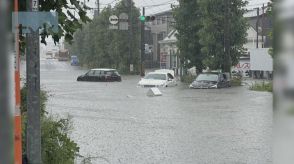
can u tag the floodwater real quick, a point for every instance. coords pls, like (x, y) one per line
(117, 123)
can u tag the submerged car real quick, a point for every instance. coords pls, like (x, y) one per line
(211, 80)
(158, 78)
(103, 75)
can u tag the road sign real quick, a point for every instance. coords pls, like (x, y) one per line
(113, 27)
(113, 19)
(123, 21)
(35, 5)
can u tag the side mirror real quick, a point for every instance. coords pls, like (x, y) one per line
(169, 79)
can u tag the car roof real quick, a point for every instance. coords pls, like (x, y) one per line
(103, 69)
(163, 73)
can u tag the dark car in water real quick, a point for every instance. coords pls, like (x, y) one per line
(211, 80)
(103, 75)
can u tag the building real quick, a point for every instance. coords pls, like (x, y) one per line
(169, 52)
(160, 28)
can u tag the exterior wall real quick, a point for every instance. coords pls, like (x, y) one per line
(168, 56)
(160, 28)
(251, 39)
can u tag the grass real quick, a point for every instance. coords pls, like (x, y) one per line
(235, 81)
(263, 87)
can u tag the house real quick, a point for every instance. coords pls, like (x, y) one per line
(166, 51)
(169, 52)
(159, 29)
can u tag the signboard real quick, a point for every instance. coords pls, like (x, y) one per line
(113, 19)
(131, 68)
(113, 27)
(35, 5)
(243, 68)
(123, 21)
(260, 60)
(163, 60)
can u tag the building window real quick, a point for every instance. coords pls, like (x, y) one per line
(163, 20)
(158, 21)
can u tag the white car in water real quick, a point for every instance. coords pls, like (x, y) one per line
(158, 78)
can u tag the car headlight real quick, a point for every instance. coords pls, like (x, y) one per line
(214, 86)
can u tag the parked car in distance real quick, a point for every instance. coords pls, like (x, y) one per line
(102, 75)
(158, 78)
(74, 61)
(211, 80)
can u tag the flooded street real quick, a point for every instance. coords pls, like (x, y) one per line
(117, 123)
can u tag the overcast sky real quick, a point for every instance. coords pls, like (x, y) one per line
(156, 6)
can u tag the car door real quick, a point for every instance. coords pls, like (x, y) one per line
(170, 80)
(102, 75)
(114, 76)
(97, 75)
(90, 76)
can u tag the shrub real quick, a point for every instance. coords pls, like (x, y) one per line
(262, 86)
(236, 81)
(57, 147)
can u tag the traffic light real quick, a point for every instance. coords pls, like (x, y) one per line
(147, 18)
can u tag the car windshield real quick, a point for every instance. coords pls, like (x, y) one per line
(207, 77)
(156, 76)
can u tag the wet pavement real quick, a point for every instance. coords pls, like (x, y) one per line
(117, 123)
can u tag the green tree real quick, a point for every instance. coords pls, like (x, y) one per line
(223, 33)
(98, 46)
(188, 24)
(71, 16)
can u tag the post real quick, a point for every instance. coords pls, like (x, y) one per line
(6, 120)
(142, 70)
(130, 35)
(257, 32)
(227, 39)
(262, 26)
(17, 113)
(98, 7)
(170, 59)
(33, 147)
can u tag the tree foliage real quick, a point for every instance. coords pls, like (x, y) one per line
(188, 23)
(98, 46)
(211, 32)
(57, 147)
(71, 16)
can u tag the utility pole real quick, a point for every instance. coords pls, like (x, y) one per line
(257, 31)
(227, 41)
(96, 13)
(33, 147)
(142, 70)
(6, 120)
(130, 35)
(262, 26)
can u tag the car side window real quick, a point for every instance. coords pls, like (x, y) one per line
(221, 77)
(97, 73)
(91, 73)
(109, 73)
(170, 76)
(225, 77)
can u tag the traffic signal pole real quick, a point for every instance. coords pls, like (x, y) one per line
(33, 140)
(142, 69)
(6, 120)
